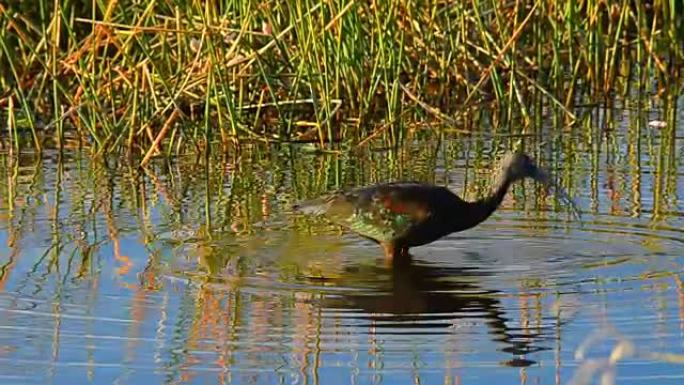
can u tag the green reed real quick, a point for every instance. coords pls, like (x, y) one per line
(169, 77)
(238, 195)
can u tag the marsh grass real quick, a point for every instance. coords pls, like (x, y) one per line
(205, 213)
(163, 77)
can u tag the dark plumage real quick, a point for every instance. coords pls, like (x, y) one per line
(401, 215)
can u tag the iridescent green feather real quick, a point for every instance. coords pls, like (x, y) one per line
(380, 225)
(370, 219)
(369, 211)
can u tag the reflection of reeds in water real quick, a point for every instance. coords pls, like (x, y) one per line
(317, 71)
(196, 215)
(624, 348)
(606, 367)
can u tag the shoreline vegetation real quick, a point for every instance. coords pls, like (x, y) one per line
(155, 78)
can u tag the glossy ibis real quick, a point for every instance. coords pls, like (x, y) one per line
(400, 215)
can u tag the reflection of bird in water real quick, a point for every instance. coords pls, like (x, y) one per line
(401, 215)
(411, 295)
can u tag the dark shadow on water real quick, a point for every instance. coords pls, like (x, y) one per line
(417, 297)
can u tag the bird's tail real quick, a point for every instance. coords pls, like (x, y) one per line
(317, 206)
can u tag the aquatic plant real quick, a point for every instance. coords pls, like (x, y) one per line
(167, 77)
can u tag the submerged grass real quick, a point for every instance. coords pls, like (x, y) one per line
(168, 77)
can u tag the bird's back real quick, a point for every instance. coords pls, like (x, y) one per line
(408, 211)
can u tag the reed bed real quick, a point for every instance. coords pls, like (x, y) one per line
(163, 77)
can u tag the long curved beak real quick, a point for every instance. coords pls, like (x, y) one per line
(544, 177)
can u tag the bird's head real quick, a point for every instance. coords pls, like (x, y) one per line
(517, 165)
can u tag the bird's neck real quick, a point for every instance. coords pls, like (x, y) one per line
(478, 211)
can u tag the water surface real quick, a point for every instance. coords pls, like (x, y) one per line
(195, 270)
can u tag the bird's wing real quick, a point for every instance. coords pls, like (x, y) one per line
(383, 213)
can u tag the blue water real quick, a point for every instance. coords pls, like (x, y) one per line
(187, 273)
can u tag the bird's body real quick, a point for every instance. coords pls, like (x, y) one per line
(401, 215)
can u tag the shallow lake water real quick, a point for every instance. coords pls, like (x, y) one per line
(196, 270)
